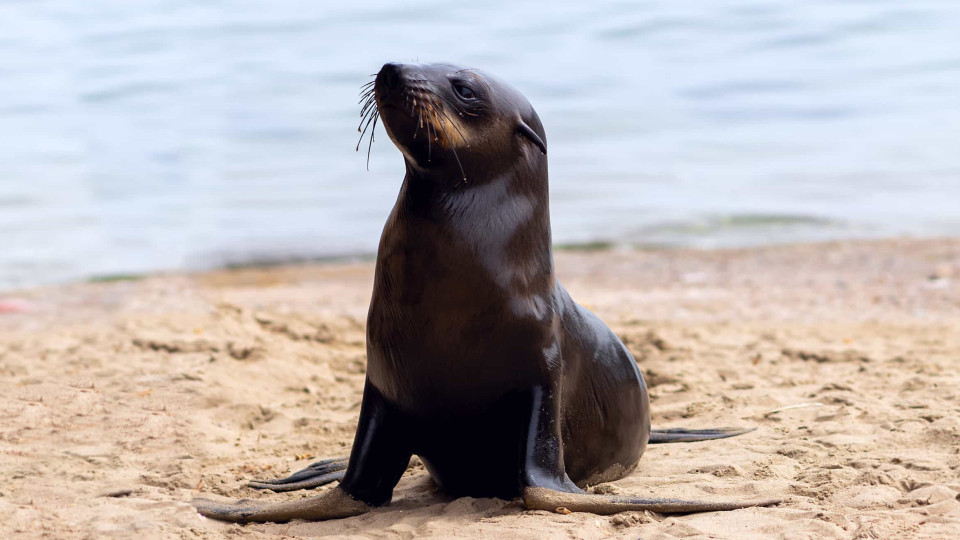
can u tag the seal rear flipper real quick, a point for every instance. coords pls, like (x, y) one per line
(538, 498)
(662, 436)
(317, 474)
(333, 504)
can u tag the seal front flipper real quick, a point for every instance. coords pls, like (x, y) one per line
(333, 504)
(546, 485)
(317, 474)
(378, 459)
(539, 498)
(542, 463)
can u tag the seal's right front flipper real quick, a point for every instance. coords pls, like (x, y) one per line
(331, 505)
(379, 456)
(315, 475)
(539, 498)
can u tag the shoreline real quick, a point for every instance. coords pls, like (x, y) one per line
(123, 400)
(263, 263)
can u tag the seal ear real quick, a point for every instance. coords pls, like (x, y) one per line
(526, 131)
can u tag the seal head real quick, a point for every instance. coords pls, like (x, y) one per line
(447, 120)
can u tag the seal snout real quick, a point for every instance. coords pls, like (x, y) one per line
(389, 79)
(413, 101)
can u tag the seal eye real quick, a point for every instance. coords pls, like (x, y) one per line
(464, 91)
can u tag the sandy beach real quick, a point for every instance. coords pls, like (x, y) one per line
(120, 401)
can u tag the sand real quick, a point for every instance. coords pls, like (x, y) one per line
(119, 402)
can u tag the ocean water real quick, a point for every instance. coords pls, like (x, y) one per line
(139, 136)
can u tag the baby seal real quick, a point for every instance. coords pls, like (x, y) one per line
(478, 361)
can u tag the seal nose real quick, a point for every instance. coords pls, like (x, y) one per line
(390, 77)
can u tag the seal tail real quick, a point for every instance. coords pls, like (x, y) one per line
(663, 436)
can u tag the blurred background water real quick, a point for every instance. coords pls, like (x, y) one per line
(140, 135)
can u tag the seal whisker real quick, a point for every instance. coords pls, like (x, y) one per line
(453, 148)
(429, 137)
(407, 99)
(419, 122)
(414, 107)
(371, 102)
(443, 111)
(366, 95)
(369, 114)
(363, 118)
(376, 115)
(371, 99)
(367, 89)
(433, 111)
(436, 118)
(363, 115)
(370, 118)
(423, 109)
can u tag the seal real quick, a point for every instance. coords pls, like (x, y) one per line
(478, 361)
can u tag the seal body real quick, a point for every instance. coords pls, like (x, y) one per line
(478, 360)
(471, 340)
(467, 319)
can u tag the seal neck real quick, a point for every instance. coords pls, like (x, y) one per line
(477, 225)
(433, 195)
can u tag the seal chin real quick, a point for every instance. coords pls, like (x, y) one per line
(401, 126)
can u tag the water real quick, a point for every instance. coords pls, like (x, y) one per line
(138, 136)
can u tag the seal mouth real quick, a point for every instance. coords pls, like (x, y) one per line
(402, 110)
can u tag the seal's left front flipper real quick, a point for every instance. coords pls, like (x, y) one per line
(547, 486)
(539, 498)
